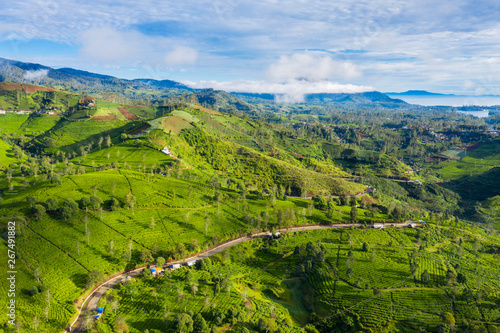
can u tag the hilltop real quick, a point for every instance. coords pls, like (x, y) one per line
(82, 81)
(417, 93)
(366, 99)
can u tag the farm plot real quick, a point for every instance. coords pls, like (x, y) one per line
(6, 155)
(145, 310)
(136, 157)
(144, 112)
(127, 114)
(60, 272)
(476, 162)
(75, 131)
(175, 124)
(38, 124)
(30, 306)
(10, 123)
(108, 113)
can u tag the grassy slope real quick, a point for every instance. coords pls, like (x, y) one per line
(126, 152)
(36, 125)
(268, 278)
(6, 155)
(51, 243)
(69, 135)
(10, 123)
(476, 162)
(167, 200)
(478, 187)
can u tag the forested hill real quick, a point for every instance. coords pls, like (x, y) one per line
(366, 99)
(374, 98)
(77, 80)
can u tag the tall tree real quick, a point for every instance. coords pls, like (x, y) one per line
(354, 214)
(108, 141)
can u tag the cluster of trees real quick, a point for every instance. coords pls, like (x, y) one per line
(313, 256)
(189, 322)
(67, 209)
(320, 202)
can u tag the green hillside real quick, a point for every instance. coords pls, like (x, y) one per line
(91, 190)
(346, 281)
(475, 162)
(479, 187)
(7, 155)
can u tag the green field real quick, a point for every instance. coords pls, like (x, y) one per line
(11, 123)
(455, 153)
(142, 112)
(287, 282)
(476, 162)
(38, 124)
(127, 153)
(6, 155)
(65, 252)
(108, 111)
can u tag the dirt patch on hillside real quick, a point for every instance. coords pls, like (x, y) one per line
(139, 130)
(28, 88)
(369, 199)
(201, 108)
(474, 146)
(10, 86)
(248, 304)
(109, 116)
(127, 114)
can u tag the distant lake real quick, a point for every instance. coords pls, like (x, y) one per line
(450, 100)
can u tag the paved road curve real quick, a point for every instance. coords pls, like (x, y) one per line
(90, 303)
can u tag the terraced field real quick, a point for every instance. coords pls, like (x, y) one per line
(381, 293)
(478, 161)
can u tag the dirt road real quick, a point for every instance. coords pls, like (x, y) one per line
(90, 304)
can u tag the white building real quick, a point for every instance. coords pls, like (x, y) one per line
(166, 151)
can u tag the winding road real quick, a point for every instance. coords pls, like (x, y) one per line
(90, 303)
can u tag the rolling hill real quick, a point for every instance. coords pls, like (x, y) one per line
(78, 80)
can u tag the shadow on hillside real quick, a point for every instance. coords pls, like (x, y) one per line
(140, 324)
(79, 279)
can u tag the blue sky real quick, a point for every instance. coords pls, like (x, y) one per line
(267, 46)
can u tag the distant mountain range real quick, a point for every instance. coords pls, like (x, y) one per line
(416, 93)
(155, 90)
(365, 99)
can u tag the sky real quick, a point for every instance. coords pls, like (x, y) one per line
(288, 47)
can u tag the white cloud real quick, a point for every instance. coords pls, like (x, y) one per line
(32, 75)
(293, 77)
(181, 55)
(240, 38)
(106, 44)
(311, 67)
(292, 91)
(113, 47)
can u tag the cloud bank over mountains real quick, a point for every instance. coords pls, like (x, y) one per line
(293, 77)
(448, 46)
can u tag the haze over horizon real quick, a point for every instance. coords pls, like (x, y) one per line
(266, 47)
